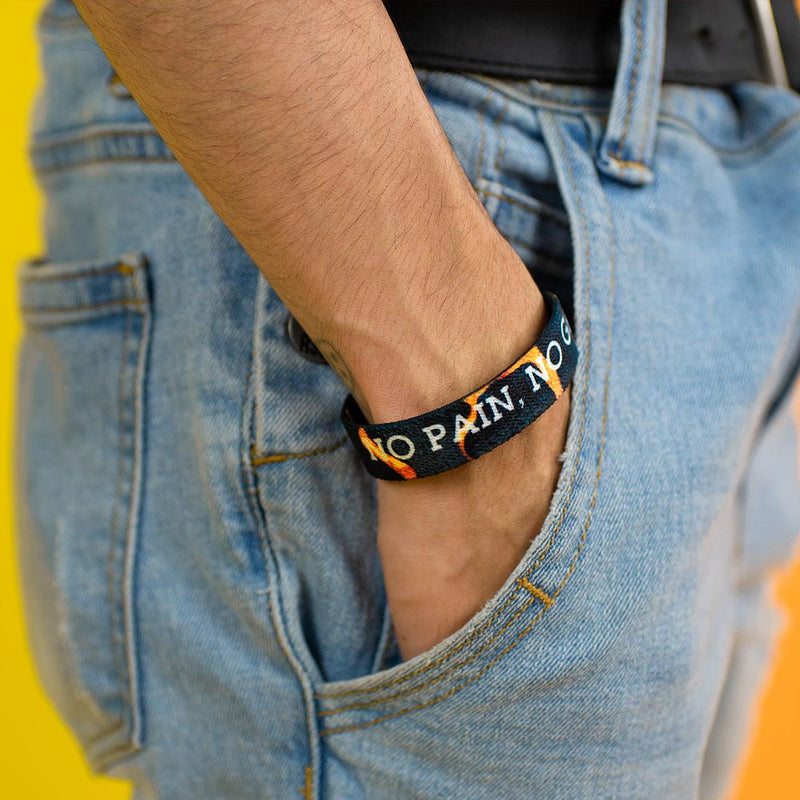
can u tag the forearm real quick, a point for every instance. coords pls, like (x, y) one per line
(305, 126)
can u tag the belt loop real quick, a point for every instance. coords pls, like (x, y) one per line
(626, 152)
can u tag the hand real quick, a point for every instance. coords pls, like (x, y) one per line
(449, 542)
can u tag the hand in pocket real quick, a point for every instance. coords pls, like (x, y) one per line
(449, 542)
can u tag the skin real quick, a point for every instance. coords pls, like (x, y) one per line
(305, 127)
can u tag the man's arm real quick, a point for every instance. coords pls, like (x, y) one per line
(304, 125)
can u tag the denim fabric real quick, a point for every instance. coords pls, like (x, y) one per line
(197, 537)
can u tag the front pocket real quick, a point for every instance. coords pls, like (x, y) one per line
(502, 629)
(80, 406)
(469, 653)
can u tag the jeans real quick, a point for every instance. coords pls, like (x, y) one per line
(197, 537)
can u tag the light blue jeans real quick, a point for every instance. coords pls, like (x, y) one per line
(197, 538)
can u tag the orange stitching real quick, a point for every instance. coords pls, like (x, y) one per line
(538, 593)
(439, 676)
(306, 788)
(276, 458)
(628, 164)
(498, 612)
(428, 666)
(581, 543)
(634, 78)
(124, 269)
(433, 701)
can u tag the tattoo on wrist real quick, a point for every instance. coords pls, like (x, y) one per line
(339, 366)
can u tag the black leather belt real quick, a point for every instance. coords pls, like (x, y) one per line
(708, 42)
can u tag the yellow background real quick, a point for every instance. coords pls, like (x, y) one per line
(38, 758)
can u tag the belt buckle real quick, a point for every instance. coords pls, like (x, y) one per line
(770, 43)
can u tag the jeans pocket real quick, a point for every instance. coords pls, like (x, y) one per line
(80, 401)
(467, 654)
(319, 505)
(504, 623)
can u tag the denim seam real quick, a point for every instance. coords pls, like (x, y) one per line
(582, 540)
(501, 142)
(258, 459)
(766, 141)
(271, 567)
(600, 109)
(631, 86)
(482, 128)
(587, 522)
(123, 643)
(440, 676)
(131, 746)
(385, 641)
(489, 623)
(136, 305)
(122, 269)
(275, 607)
(439, 698)
(651, 119)
(770, 386)
(522, 583)
(536, 591)
(95, 132)
(512, 596)
(141, 288)
(121, 478)
(565, 106)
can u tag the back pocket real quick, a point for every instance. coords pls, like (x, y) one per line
(80, 406)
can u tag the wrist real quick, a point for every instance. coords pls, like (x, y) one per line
(490, 315)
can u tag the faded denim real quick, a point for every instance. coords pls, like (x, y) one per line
(197, 538)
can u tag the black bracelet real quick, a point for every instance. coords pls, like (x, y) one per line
(471, 426)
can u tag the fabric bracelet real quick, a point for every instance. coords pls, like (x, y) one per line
(466, 429)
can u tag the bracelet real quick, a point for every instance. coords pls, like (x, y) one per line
(471, 426)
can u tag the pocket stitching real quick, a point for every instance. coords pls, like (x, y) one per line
(540, 558)
(116, 546)
(33, 311)
(127, 547)
(128, 292)
(121, 736)
(582, 541)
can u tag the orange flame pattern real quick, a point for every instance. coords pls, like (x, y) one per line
(531, 357)
(405, 470)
